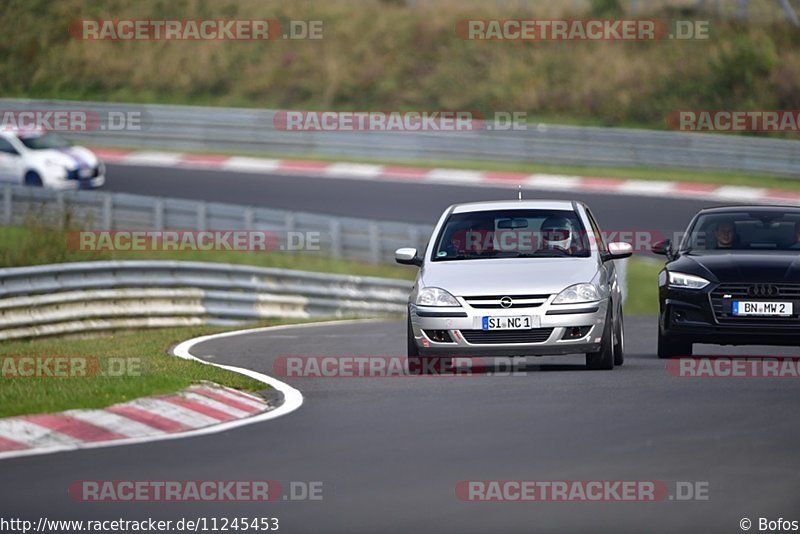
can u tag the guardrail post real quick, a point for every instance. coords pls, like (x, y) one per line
(374, 242)
(249, 218)
(336, 239)
(201, 216)
(60, 209)
(289, 222)
(8, 206)
(158, 214)
(108, 206)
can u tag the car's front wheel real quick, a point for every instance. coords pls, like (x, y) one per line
(32, 179)
(604, 358)
(619, 340)
(672, 348)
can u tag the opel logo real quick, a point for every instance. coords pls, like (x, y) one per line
(763, 290)
(506, 302)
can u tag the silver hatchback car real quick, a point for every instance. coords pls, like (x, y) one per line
(516, 278)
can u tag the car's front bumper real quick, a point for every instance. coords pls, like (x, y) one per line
(550, 335)
(689, 316)
(70, 179)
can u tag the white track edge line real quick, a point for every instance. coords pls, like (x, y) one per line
(292, 398)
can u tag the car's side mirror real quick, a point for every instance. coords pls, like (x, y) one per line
(663, 247)
(617, 251)
(407, 256)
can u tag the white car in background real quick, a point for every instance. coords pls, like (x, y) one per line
(40, 158)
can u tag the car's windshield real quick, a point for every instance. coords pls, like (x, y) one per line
(511, 234)
(43, 141)
(744, 230)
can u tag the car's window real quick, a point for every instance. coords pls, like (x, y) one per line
(598, 235)
(510, 234)
(744, 230)
(43, 141)
(6, 147)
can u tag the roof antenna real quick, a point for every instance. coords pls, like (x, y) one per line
(519, 193)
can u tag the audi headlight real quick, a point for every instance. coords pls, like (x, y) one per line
(433, 296)
(577, 293)
(687, 281)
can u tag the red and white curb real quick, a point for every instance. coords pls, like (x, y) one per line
(196, 407)
(512, 180)
(198, 410)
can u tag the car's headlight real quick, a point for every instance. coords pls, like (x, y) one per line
(687, 281)
(52, 163)
(433, 296)
(577, 293)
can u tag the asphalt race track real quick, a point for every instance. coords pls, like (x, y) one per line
(406, 202)
(390, 451)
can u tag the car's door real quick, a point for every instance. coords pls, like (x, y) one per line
(11, 166)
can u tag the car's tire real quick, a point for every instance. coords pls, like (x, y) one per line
(619, 340)
(604, 358)
(32, 179)
(671, 348)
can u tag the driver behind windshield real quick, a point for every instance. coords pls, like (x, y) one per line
(557, 234)
(725, 234)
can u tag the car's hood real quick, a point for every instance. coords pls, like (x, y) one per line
(515, 276)
(73, 157)
(783, 266)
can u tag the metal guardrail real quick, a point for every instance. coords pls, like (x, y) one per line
(252, 130)
(108, 295)
(339, 237)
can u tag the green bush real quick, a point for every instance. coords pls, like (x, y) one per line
(389, 55)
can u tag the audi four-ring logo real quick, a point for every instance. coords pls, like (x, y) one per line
(506, 302)
(763, 290)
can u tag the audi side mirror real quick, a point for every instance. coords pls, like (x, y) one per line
(662, 247)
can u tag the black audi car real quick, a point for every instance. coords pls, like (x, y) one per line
(733, 280)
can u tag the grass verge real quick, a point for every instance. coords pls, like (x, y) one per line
(117, 368)
(642, 298)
